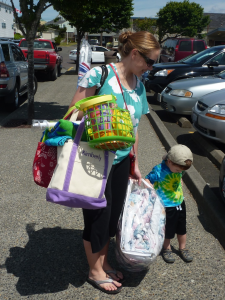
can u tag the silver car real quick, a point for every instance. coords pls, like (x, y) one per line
(13, 74)
(180, 96)
(208, 116)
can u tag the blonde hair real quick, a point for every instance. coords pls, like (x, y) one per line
(143, 41)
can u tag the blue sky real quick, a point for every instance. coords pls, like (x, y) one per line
(146, 8)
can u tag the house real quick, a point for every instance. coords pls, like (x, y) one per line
(215, 31)
(62, 23)
(6, 21)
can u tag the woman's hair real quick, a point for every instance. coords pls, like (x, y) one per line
(143, 41)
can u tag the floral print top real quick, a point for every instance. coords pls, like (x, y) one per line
(167, 184)
(135, 99)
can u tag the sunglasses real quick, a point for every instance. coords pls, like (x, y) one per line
(150, 62)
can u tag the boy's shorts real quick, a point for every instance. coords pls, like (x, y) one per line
(175, 221)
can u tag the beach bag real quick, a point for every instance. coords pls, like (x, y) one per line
(80, 176)
(44, 164)
(45, 158)
(141, 228)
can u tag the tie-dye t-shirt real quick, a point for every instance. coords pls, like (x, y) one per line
(135, 99)
(167, 184)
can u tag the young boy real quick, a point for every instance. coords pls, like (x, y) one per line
(167, 181)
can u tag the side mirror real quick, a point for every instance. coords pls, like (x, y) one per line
(213, 64)
(59, 49)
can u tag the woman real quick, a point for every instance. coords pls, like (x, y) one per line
(139, 52)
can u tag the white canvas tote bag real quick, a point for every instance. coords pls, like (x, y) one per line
(80, 176)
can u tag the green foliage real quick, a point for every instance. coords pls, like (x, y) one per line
(58, 40)
(181, 19)
(18, 36)
(146, 24)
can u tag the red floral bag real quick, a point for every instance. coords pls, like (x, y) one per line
(44, 164)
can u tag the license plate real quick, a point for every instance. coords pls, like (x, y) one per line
(159, 97)
(194, 118)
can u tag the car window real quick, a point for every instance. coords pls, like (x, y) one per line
(185, 46)
(20, 54)
(16, 55)
(198, 46)
(101, 49)
(23, 44)
(219, 58)
(5, 49)
(202, 56)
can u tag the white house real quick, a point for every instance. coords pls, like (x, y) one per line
(6, 21)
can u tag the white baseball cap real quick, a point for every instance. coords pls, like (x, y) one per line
(178, 154)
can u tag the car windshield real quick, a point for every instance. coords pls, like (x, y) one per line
(38, 44)
(202, 56)
(221, 75)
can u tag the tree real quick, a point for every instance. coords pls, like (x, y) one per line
(146, 24)
(28, 23)
(93, 18)
(181, 19)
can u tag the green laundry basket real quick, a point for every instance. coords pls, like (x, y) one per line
(107, 126)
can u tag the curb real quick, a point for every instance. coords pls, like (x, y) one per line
(205, 198)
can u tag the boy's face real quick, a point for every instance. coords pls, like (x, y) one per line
(173, 167)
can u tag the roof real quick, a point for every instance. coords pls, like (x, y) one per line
(216, 20)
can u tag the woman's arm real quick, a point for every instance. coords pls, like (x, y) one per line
(82, 93)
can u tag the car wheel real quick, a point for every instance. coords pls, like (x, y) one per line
(223, 188)
(54, 73)
(13, 99)
(59, 70)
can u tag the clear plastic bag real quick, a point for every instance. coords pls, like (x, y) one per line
(141, 228)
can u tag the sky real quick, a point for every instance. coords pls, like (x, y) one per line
(144, 8)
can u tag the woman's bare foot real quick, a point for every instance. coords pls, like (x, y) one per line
(96, 276)
(107, 268)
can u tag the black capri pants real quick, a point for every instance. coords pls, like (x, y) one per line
(101, 224)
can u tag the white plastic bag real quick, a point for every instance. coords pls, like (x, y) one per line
(141, 228)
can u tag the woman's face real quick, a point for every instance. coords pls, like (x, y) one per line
(140, 62)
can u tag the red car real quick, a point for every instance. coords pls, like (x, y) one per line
(175, 49)
(46, 57)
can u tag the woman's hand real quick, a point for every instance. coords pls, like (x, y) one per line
(137, 174)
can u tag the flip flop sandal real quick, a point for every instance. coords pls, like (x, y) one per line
(96, 284)
(121, 280)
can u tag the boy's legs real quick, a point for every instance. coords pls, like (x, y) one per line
(182, 240)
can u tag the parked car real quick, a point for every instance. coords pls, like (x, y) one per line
(208, 62)
(46, 57)
(13, 74)
(208, 116)
(180, 96)
(97, 54)
(222, 179)
(175, 49)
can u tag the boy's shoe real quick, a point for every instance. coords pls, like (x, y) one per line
(185, 255)
(167, 255)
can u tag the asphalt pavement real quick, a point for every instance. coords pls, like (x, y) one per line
(42, 256)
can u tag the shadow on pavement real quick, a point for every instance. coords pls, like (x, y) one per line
(52, 259)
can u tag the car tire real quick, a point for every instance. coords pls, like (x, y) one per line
(35, 85)
(59, 70)
(54, 73)
(13, 98)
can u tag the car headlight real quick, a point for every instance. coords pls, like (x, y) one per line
(181, 93)
(164, 72)
(218, 109)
